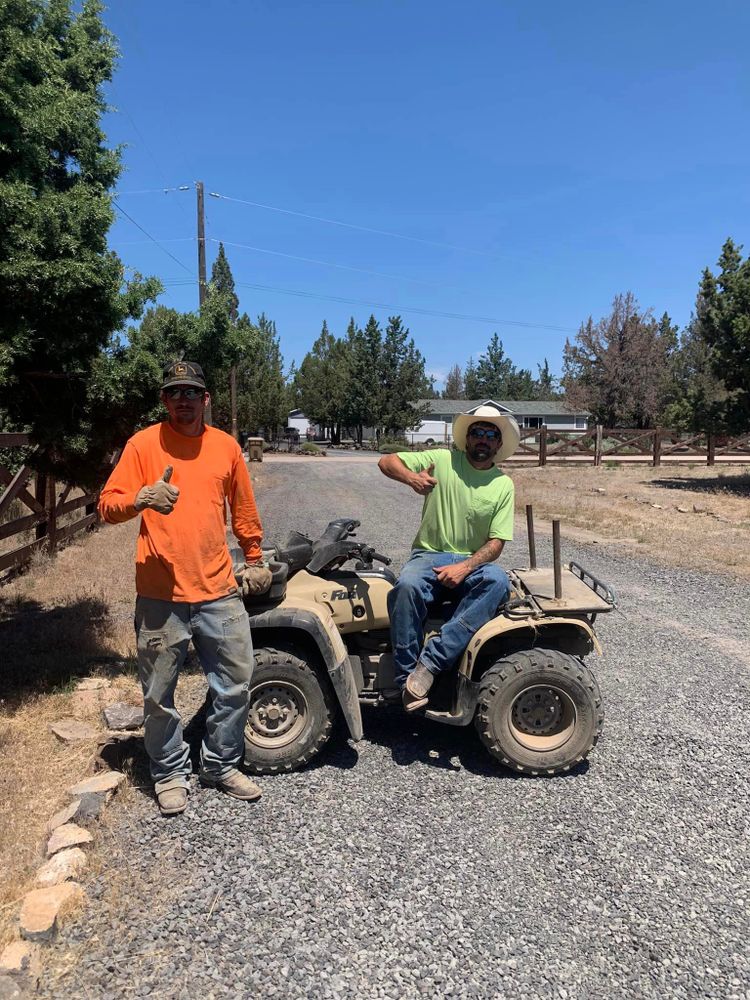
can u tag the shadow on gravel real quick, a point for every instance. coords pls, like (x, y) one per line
(738, 485)
(451, 748)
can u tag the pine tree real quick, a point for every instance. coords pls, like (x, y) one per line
(494, 370)
(723, 310)
(403, 379)
(471, 383)
(63, 374)
(454, 384)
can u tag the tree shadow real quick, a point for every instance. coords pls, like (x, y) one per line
(44, 648)
(735, 485)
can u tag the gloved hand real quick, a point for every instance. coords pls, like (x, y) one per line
(254, 579)
(160, 497)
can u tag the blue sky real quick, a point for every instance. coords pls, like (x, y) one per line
(541, 158)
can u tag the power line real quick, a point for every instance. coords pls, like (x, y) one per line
(172, 239)
(407, 309)
(139, 226)
(362, 229)
(326, 263)
(164, 190)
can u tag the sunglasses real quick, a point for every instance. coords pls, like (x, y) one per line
(481, 432)
(188, 393)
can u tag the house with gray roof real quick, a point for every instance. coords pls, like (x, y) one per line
(437, 423)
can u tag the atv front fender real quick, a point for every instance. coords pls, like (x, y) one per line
(317, 624)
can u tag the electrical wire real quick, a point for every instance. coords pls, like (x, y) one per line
(405, 309)
(164, 190)
(145, 233)
(362, 229)
(326, 263)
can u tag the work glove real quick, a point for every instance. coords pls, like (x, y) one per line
(254, 578)
(160, 497)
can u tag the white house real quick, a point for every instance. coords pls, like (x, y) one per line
(437, 423)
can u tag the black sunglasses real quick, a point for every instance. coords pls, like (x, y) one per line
(188, 393)
(481, 432)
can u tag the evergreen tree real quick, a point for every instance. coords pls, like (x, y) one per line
(403, 379)
(724, 314)
(64, 374)
(321, 383)
(545, 388)
(454, 384)
(362, 396)
(698, 397)
(494, 370)
(471, 382)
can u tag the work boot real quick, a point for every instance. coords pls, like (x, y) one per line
(172, 800)
(236, 784)
(417, 687)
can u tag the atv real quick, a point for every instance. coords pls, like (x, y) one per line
(323, 646)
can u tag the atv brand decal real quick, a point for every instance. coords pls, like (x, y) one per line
(343, 595)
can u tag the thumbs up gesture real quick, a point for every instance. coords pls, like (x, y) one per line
(423, 482)
(161, 497)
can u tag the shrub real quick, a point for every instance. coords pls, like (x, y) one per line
(308, 448)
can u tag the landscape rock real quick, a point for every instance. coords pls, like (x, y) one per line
(93, 684)
(43, 909)
(66, 864)
(9, 989)
(63, 816)
(105, 781)
(67, 835)
(698, 510)
(16, 957)
(73, 730)
(120, 715)
(682, 510)
(657, 506)
(599, 489)
(91, 805)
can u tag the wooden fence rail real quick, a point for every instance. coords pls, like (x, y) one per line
(39, 494)
(540, 446)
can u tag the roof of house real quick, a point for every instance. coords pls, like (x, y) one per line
(524, 407)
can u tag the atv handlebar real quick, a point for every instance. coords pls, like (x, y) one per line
(368, 553)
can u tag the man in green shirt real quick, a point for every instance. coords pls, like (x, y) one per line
(466, 520)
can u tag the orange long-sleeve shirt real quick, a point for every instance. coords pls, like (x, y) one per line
(183, 556)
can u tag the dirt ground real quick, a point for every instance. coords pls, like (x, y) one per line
(679, 515)
(71, 617)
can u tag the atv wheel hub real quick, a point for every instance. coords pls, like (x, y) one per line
(277, 714)
(542, 718)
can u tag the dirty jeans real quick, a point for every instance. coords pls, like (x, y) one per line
(220, 631)
(478, 596)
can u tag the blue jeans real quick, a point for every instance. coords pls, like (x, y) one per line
(220, 631)
(479, 597)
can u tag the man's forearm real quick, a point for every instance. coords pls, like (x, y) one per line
(394, 468)
(488, 553)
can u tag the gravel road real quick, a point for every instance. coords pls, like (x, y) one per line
(410, 865)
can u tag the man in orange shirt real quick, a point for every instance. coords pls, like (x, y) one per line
(178, 474)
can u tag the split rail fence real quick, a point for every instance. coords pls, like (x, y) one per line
(38, 493)
(544, 446)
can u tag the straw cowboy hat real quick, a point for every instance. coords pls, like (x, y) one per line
(488, 414)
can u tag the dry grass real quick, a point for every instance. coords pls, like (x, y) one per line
(66, 618)
(639, 508)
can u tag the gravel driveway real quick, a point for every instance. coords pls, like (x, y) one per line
(411, 865)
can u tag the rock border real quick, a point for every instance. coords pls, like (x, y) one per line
(55, 892)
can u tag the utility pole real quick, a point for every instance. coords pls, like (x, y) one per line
(207, 413)
(201, 244)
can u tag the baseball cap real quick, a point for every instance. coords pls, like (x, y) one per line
(183, 373)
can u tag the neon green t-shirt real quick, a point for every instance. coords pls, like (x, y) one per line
(466, 508)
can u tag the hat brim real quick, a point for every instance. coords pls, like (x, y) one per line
(505, 424)
(194, 383)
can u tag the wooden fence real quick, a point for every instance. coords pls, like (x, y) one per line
(543, 446)
(39, 494)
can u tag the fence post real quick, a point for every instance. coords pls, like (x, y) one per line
(543, 445)
(40, 495)
(711, 448)
(657, 447)
(598, 445)
(51, 514)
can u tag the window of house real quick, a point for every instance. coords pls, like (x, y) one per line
(581, 423)
(532, 421)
